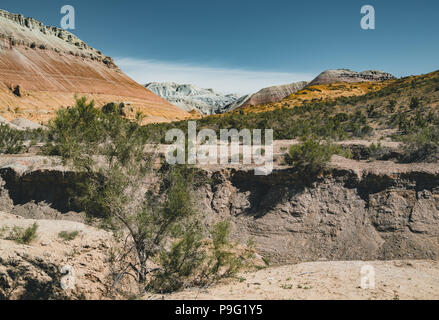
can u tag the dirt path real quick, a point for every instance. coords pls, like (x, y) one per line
(329, 280)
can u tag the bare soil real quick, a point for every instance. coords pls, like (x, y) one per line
(333, 280)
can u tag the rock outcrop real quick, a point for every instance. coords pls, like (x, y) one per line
(272, 94)
(190, 97)
(52, 268)
(346, 75)
(5, 122)
(49, 66)
(360, 210)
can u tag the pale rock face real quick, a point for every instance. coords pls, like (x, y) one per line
(346, 75)
(5, 122)
(190, 97)
(20, 30)
(207, 101)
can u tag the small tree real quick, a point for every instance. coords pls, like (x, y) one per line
(151, 212)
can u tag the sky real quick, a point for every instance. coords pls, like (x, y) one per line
(242, 46)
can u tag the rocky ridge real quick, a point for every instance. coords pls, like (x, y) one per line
(190, 97)
(42, 68)
(346, 75)
(33, 33)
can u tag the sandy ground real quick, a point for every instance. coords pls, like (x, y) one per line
(333, 280)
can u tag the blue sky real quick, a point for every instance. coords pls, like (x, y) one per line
(243, 45)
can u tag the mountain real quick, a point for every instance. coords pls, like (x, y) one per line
(346, 75)
(329, 85)
(272, 94)
(208, 102)
(42, 68)
(190, 97)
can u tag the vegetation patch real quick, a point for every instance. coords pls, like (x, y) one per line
(23, 235)
(68, 236)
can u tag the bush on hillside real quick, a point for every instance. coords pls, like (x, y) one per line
(24, 235)
(11, 140)
(312, 155)
(422, 146)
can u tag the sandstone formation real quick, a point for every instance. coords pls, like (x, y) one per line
(42, 68)
(190, 97)
(346, 75)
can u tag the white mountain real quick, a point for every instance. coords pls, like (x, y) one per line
(190, 97)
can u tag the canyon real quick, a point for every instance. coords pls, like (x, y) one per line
(373, 202)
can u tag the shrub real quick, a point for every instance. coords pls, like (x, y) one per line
(423, 145)
(113, 108)
(24, 236)
(414, 103)
(223, 262)
(74, 130)
(152, 213)
(11, 140)
(68, 236)
(375, 151)
(311, 155)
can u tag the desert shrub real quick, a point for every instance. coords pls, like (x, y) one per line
(151, 212)
(422, 145)
(114, 108)
(178, 264)
(68, 236)
(194, 262)
(222, 262)
(375, 151)
(414, 103)
(311, 155)
(74, 130)
(11, 140)
(22, 235)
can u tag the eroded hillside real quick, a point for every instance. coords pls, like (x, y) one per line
(42, 68)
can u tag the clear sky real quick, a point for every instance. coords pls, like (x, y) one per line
(243, 45)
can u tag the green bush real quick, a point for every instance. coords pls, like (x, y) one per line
(11, 140)
(113, 108)
(74, 130)
(24, 236)
(423, 145)
(151, 212)
(374, 151)
(311, 155)
(68, 236)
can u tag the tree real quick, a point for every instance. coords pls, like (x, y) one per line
(162, 246)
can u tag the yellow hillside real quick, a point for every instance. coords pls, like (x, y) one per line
(320, 93)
